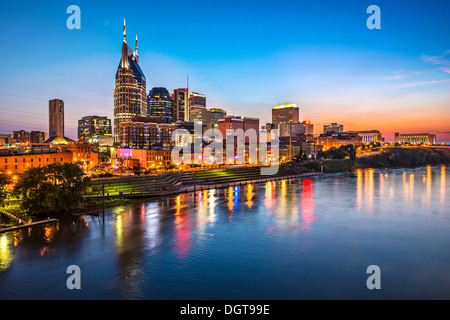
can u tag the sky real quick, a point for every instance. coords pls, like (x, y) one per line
(245, 56)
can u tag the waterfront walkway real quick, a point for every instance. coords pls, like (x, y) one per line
(180, 182)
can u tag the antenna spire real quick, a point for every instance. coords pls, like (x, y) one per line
(124, 31)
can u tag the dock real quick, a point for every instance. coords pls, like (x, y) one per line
(27, 225)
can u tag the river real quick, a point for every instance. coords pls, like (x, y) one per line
(305, 238)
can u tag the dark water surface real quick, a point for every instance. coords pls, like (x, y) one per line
(309, 238)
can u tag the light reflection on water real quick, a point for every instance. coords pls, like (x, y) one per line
(290, 239)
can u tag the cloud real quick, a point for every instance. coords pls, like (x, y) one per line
(415, 84)
(443, 61)
(402, 75)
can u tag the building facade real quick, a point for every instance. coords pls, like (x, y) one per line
(143, 133)
(180, 100)
(285, 113)
(130, 97)
(415, 138)
(160, 104)
(333, 127)
(56, 117)
(38, 137)
(16, 163)
(369, 135)
(93, 127)
(197, 100)
(232, 123)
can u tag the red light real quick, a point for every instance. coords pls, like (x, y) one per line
(307, 122)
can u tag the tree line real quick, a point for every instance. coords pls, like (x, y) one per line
(50, 189)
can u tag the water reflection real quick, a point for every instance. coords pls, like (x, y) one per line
(365, 189)
(307, 205)
(142, 246)
(182, 229)
(6, 256)
(442, 184)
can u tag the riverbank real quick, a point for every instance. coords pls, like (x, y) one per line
(392, 157)
(28, 225)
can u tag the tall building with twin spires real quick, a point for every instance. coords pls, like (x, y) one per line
(130, 98)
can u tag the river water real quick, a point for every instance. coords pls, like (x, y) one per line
(307, 238)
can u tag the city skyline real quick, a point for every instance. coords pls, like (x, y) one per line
(391, 80)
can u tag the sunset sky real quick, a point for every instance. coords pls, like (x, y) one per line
(246, 56)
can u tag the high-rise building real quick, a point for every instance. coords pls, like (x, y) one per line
(93, 126)
(160, 104)
(180, 104)
(197, 100)
(145, 132)
(200, 114)
(216, 115)
(56, 117)
(285, 113)
(333, 127)
(130, 97)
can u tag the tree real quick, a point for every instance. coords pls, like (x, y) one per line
(4, 182)
(53, 188)
(349, 150)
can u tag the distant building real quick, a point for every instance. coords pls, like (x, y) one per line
(160, 104)
(180, 104)
(38, 137)
(288, 129)
(216, 115)
(144, 158)
(265, 134)
(22, 160)
(82, 153)
(5, 140)
(369, 135)
(21, 134)
(130, 96)
(333, 127)
(143, 133)
(200, 114)
(335, 140)
(90, 127)
(197, 100)
(230, 123)
(285, 113)
(415, 138)
(308, 127)
(56, 117)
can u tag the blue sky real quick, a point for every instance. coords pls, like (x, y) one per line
(245, 56)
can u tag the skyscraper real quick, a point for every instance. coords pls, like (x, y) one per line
(130, 97)
(180, 105)
(56, 117)
(197, 100)
(160, 104)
